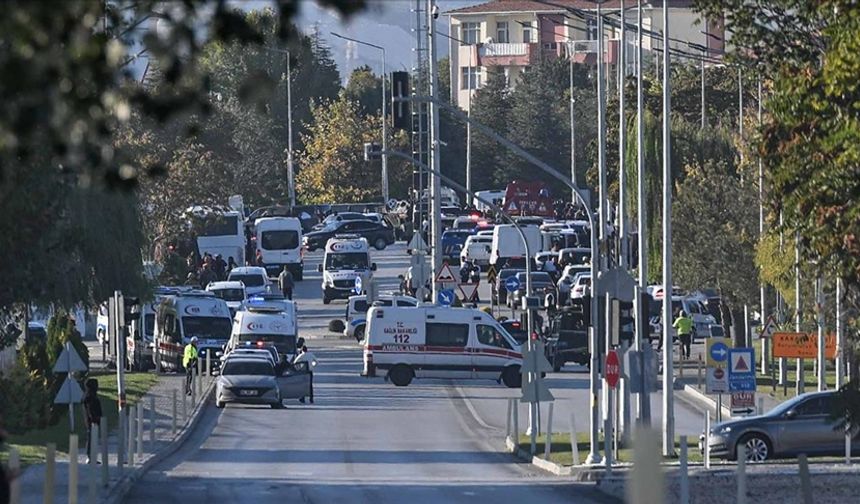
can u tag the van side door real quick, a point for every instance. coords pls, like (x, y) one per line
(445, 351)
(490, 353)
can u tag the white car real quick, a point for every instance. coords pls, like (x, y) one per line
(565, 281)
(477, 250)
(581, 286)
(231, 292)
(255, 279)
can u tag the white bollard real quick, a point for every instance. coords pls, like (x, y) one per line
(50, 473)
(93, 454)
(152, 423)
(548, 445)
(805, 483)
(199, 378)
(139, 425)
(208, 362)
(607, 444)
(646, 482)
(184, 408)
(760, 409)
(516, 427)
(574, 446)
(73, 469)
(848, 447)
(15, 484)
(742, 474)
(173, 413)
(707, 448)
(194, 381)
(684, 477)
(508, 418)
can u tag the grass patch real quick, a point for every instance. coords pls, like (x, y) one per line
(563, 454)
(31, 444)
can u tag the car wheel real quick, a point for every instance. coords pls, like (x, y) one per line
(326, 300)
(401, 375)
(556, 365)
(511, 377)
(219, 404)
(380, 244)
(359, 333)
(758, 447)
(277, 405)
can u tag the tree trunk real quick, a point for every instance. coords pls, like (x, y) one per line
(738, 334)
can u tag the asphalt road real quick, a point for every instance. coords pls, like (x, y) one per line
(365, 440)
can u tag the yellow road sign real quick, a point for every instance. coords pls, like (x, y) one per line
(718, 352)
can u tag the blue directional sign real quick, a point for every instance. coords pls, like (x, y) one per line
(512, 283)
(719, 352)
(741, 370)
(445, 297)
(357, 287)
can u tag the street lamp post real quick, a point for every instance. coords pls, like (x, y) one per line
(291, 174)
(385, 193)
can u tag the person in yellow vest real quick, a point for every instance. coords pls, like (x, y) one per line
(189, 362)
(684, 325)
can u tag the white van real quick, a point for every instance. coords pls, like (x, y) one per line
(266, 323)
(508, 244)
(346, 257)
(139, 338)
(477, 249)
(188, 314)
(495, 197)
(279, 240)
(231, 292)
(438, 342)
(356, 311)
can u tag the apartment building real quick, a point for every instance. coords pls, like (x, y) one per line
(514, 34)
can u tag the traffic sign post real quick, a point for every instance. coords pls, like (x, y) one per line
(445, 297)
(512, 283)
(70, 392)
(357, 287)
(716, 376)
(468, 291)
(798, 345)
(446, 275)
(743, 403)
(491, 274)
(742, 370)
(612, 369)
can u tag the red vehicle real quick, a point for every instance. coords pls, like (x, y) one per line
(528, 198)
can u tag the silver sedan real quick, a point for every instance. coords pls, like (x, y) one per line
(805, 424)
(249, 380)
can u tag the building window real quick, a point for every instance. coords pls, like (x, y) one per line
(471, 78)
(502, 32)
(527, 34)
(591, 28)
(470, 33)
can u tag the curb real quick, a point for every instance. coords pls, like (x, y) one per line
(695, 395)
(118, 492)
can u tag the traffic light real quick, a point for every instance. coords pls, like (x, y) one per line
(400, 110)
(626, 322)
(131, 309)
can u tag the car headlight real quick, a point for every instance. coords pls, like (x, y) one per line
(725, 430)
(218, 354)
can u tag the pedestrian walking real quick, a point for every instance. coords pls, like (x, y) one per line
(189, 362)
(93, 410)
(684, 325)
(311, 361)
(286, 283)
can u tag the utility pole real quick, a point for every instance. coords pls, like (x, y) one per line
(668, 372)
(385, 193)
(601, 142)
(622, 144)
(704, 120)
(819, 311)
(469, 127)
(291, 173)
(741, 110)
(765, 343)
(799, 381)
(840, 337)
(435, 185)
(642, 324)
(572, 46)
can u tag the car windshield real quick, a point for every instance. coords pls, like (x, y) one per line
(283, 342)
(346, 260)
(207, 327)
(230, 294)
(280, 240)
(247, 368)
(248, 280)
(149, 324)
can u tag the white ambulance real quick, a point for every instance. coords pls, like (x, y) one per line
(346, 258)
(439, 342)
(190, 314)
(267, 323)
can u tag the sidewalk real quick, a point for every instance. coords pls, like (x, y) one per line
(33, 480)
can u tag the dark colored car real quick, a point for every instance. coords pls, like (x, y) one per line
(567, 340)
(804, 424)
(542, 285)
(501, 291)
(452, 243)
(516, 329)
(377, 235)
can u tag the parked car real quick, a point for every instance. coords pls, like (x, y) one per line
(565, 281)
(567, 340)
(254, 278)
(581, 286)
(452, 243)
(378, 235)
(804, 424)
(542, 285)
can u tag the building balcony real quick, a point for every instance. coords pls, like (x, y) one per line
(507, 54)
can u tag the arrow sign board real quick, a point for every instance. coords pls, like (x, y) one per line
(512, 283)
(742, 369)
(468, 291)
(70, 393)
(69, 361)
(612, 371)
(716, 373)
(446, 275)
(718, 351)
(491, 274)
(357, 288)
(743, 403)
(445, 297)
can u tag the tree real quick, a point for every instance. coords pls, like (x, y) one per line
(491, 107)
(366, 89)
(334, 169)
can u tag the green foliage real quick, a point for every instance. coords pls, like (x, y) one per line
(26, 401)
(365, 88)
(491, 106)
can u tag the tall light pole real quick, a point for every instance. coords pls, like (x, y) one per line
(385, 194)
(765, 344)
(668, 371)
(435, 183)
(572, 51)
(622, 144)
(642, 325)
(798, 318)
(291, 172)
